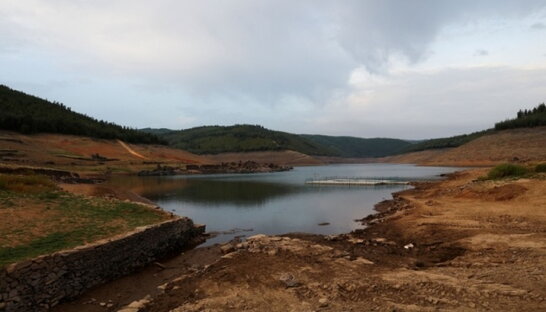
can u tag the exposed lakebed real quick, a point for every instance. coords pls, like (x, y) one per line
(276, 203)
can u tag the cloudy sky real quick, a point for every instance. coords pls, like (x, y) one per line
(408, 69)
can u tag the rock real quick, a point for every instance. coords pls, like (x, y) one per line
(323, 302)
(289, 280)
(109, 305)
(102, 304)
(353, 240)
(324, 223)
(361, 260)
(243, 245)
(257, 236)
(408, 246)
(227, 248)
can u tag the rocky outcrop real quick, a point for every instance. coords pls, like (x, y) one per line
(225, 167)
(40, 283)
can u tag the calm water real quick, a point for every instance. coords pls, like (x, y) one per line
(276, 203)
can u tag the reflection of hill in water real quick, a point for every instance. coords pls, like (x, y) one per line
(220, 191)
(240, 193)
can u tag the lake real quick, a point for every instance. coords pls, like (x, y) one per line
(277, 203)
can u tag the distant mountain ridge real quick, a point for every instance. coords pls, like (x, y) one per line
(29, 114)
(252, 138)
(354, 147)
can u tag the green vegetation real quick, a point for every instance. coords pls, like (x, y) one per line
(540, 168)
(250, 138)
(238, 138)
(506, 171)
(65, 220)
(29, 114)
(525, 119)
(345, 146)
(454, 141)
(25, 184)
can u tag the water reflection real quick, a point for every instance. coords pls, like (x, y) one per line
(276, 203)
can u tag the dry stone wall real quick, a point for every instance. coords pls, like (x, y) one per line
(40, 283)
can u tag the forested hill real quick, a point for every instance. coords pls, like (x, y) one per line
(535, 117)
(238, 138)
(525, 119)
(345, 146)
(250, 138)
(29, 114)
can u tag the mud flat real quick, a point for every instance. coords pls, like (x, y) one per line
(458, 244)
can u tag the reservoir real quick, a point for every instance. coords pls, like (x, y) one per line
(281, 202)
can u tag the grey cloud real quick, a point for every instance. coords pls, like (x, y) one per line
(538, 26)
(481, 52)
(262, 49)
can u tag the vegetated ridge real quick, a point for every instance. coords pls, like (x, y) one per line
(238, 138)
(29, 114)
(254, 138)
(525, 119)
(346, 146)
(454, 141)
(535, 117)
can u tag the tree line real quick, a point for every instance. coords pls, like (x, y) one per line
(525, 119)
(29, 114)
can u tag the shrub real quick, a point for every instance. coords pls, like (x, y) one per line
(540, 168)
(506, 170)
(26, 184)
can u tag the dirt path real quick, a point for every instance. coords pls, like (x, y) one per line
(130, 150)
(455, 245)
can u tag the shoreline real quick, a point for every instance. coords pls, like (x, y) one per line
(422, 250)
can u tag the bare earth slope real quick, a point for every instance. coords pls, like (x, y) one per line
(523, 145)
(74, 152)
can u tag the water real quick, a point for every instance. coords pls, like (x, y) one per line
(276, 203)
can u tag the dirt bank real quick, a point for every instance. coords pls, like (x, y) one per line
(289, 158)
(458, 244)
(516, 145)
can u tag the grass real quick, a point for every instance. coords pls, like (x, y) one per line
(39, 219)
(25, 183)
(540, 168)
(506, 171)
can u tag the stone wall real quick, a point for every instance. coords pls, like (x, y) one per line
(40, 283)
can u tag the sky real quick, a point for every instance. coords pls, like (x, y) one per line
(407, 69)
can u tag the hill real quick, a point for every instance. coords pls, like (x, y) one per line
(513, 145)
(29, 114)
(238, 138)
(345, 146)
(442, 143)
(251, 138)
(535, 117)
(75, 153)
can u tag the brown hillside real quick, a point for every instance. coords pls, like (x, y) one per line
(68, 150)
(520, 145)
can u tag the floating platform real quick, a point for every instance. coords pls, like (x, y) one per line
(363, 182)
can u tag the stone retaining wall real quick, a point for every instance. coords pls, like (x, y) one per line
(40, 283)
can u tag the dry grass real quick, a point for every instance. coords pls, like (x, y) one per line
(26, 183)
